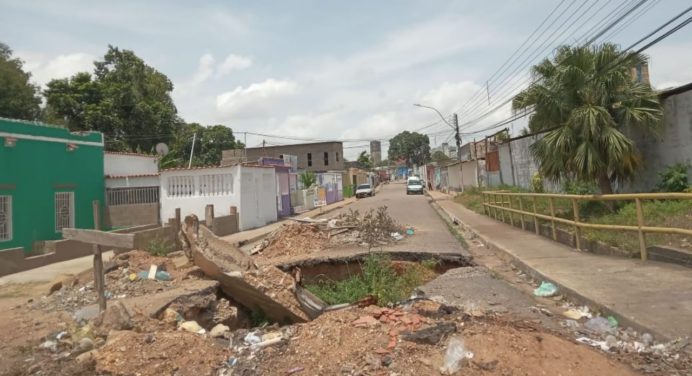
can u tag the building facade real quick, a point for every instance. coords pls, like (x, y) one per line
(376, 152)
(49, 178)
(315, 157)
(132, 189)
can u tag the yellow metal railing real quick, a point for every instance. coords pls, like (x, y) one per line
(496, 203)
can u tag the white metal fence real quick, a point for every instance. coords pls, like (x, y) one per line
(130, 196)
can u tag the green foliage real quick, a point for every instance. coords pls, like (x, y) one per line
(378, 279)
(502, 136)
(537, 183)
(19, 98)
(210, 141)
(579, 188)
(412, 147)
(430, 263)
(307, 178)
(159, 247)
(439, 156)
(586, 96)
(126, 99)
(674, 178)
(364, 160)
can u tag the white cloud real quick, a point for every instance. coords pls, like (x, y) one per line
(669, 65)
(44, 68)
(234, 63)
(205, 69)
(256, 100)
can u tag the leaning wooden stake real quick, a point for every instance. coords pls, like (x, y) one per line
(640, 223)
(99, 278)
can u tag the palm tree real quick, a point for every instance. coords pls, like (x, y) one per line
(586, 97)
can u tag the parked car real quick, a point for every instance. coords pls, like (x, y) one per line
(414, 185)
(364, 190)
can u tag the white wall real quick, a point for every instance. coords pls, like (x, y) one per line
(257, 196)
(185, 189)
(137, 181)
(129, 164)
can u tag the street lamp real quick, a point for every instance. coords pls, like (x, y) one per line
(454, 126)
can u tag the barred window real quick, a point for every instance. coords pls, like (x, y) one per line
(64, 210)
(5, 218)
(133, 195)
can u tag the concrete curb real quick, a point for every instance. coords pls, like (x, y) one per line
(574, 295)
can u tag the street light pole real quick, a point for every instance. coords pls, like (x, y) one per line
(457, 135)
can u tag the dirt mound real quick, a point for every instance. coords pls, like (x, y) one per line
(296, 239)
(371, 341)
(160, 353)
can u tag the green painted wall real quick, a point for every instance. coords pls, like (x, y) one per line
(32, 171)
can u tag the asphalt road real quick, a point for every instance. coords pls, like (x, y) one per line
(431, 233)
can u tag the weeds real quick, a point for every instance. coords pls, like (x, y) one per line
(159, 247)
(378, 279)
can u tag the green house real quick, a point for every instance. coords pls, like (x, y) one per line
(49, 178)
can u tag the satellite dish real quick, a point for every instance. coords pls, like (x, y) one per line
(161, 149)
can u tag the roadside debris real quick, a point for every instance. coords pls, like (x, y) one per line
(454, 356)
(546, 289)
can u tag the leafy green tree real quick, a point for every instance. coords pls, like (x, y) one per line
(18, 97)
(439, 156)
(412, 147)
(209, 142)
(588, 95)
(126, 99)
(674, 178)
(364, 160)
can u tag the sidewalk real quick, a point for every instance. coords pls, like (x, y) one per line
(51, 272)
(646, 294)
(249, 236)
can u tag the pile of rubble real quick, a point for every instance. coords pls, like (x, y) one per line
(307, 236)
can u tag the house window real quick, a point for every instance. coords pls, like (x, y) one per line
(309, 159)
(326, 158)
(5, 218)
(64, 210)
(215, 185)
(132, 196)
(337, 156)
(181, 186)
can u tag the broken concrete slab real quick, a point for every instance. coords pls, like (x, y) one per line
(266, 289)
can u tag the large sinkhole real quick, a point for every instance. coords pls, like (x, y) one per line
(382, 278)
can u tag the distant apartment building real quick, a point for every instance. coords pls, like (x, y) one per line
(376, 152)
(316, 157)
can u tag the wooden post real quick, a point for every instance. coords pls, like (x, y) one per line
(502, 205)
(536, 224)
(577, 229)
(485, 206)
(99, 278)
(552, 216)
(640, 222)
(511, 215)
(521, 216)
(209, 215)
(234, 212)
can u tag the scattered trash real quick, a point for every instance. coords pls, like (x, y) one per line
(162, 275)
(192, 326)
(431, 335)
(454, 356)
(611, 341)
(577, 313)
(592, 342)
(295, 370)
(252, 338)
(152, 272)
(570, 324)
(541, 310)
(409, 231)
(600, 325)
(232, 361)
(647, 339)
(219, 330)
(613, 321)
(546, 289)
(49, 345)
(397, 236)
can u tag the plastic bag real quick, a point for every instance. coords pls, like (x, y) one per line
(454, 356)
(600, 325)
(545, 289)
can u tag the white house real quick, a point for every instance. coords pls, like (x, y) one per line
(251, 189)
(132, 189)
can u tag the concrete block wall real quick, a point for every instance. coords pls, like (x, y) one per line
(131, 215)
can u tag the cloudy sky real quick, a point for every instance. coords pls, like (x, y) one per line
(347, 70)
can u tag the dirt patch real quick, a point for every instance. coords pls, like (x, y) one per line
(161, 353)
(365, 341)
(296, 239)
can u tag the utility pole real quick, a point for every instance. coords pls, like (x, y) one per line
(457, 135)
(192, 151)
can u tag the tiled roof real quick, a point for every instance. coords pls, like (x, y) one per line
(192, 168)
(132, 154)
(130, 176)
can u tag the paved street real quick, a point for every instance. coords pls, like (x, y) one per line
(431, 232)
